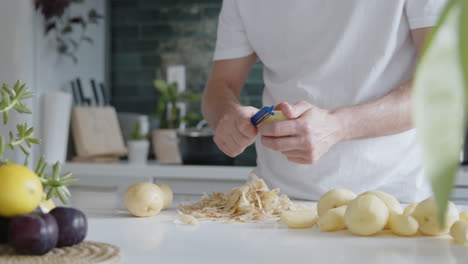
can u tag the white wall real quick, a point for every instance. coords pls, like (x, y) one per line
(16, 55)
(26, 54)
(53, 72)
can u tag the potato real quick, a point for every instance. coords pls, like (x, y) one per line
(394, 207)
(403, 225)
(333, 199)
(459, 232)
(333, 219)
(168, 195)
(144, 199)
(410, 209)
(278, 116)
(464, 216)
(366, 215)
(426, 215)
(299, 218)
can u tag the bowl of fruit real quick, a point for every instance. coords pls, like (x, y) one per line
(32, 228)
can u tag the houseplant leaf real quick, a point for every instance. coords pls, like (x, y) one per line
(463, 31)
(439, 105)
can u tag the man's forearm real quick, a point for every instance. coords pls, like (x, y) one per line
(390, 114)
(217, 100)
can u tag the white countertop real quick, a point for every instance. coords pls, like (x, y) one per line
(159, 240)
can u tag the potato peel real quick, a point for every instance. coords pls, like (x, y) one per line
(251, 202)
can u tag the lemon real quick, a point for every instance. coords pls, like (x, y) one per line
(20, 190)
(46, 205)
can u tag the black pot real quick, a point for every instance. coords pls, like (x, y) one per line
(197, 147)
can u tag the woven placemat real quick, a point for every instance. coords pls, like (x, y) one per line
(87, 252)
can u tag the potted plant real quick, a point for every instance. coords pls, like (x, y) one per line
(138, 146)
(171, 117)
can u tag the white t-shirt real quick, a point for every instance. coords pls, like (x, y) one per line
(333, 53)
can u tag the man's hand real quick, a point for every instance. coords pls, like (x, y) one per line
(234, 132)
(305, 138)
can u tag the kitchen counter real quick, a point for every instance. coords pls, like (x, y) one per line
(159, 240)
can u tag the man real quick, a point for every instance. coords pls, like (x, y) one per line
(341, 72)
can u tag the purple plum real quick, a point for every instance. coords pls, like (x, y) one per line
(72, 224)
(33, 234)
(4, 230)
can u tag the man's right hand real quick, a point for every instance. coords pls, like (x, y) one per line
(234, 131)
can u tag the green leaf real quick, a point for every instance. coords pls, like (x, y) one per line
(33, 140)
(26, 96)
(21, 88)
(8, 90)
(161, 87)
(49, 193)
(21, 108)
(29, 132)
(61, 195)
(26, 161)
(5, 117)
(173, 91)
(188, 96)
(23, 150)
(5, 100)
(16, 86)
(439, 105)
(39, 165)
(21, 130)
(463, 31)
(2, 145)
(56, 171)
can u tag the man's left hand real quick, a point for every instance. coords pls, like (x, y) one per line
(306, 137)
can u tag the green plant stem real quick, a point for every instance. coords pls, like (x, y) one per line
(10, 106)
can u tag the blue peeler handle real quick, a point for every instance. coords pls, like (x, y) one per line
(265, 112)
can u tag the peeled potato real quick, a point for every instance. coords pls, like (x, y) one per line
(410, 209)
(403, 225)
(459, 232)
(333, 199)
(144, 199)
(464, 216)
(394, 207)
(426, 215)
(366, 215)
(333, 219)
(390, 201)
(168, 195)
(278, 116)
(299, 218)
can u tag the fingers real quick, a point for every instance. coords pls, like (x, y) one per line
(296, 110)
(283, 143)
(285, 128)
(234, 131)
(247, 129)
(223, 146)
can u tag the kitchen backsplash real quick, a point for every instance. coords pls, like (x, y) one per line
(149, 35)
